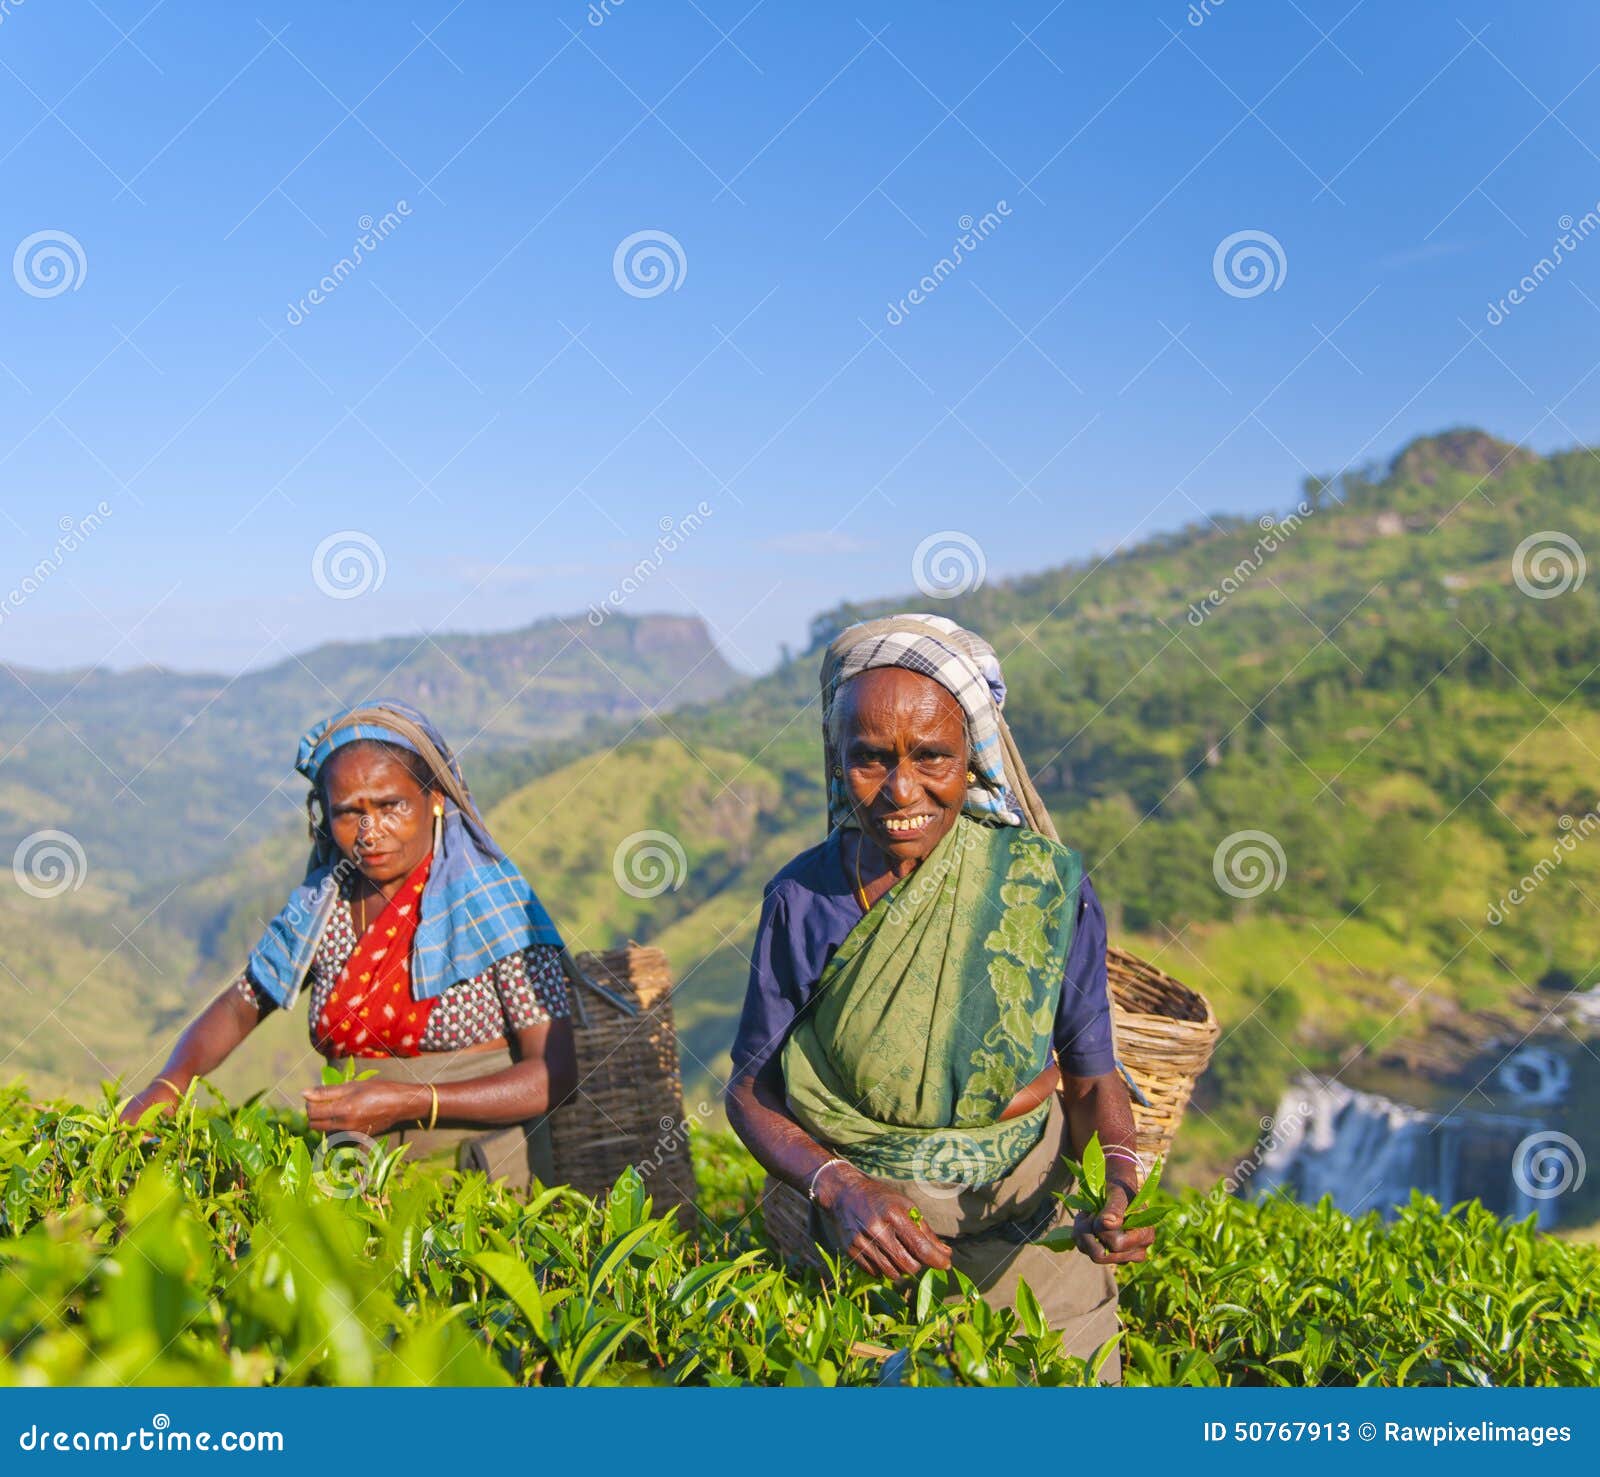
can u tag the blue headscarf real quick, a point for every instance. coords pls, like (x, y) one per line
(477, 907)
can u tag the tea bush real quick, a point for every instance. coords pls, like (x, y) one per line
(227, 1247)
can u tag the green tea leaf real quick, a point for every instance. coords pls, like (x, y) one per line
(516, 1281)
(1029, 1311)
(1147, 1191)
(1094, 1169)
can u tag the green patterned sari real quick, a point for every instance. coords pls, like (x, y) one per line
(938, 1008)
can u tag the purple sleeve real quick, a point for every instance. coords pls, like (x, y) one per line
(1082, 1036)
(774, 995)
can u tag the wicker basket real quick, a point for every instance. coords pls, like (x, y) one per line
(629, 1105)
(1165, 1034)
(786, 1216)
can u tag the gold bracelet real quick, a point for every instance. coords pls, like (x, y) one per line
(433, 1117)
(167, 1082)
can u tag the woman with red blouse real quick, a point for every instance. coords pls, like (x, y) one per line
(423, 950)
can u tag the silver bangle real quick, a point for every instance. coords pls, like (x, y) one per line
(811, 1188)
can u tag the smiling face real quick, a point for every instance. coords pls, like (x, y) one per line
(380, 818)
(902, 740)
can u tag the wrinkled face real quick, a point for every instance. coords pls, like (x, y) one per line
(379, 817)
(903, 745)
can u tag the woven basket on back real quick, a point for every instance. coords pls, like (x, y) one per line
(1165, 1034)
(629, 1105)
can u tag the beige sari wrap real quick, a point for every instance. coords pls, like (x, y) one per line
(990, 1231)
(515, 1155)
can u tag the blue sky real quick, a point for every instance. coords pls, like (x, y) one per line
(482, 399)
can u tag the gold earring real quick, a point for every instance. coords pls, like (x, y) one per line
(438, 826)
(972, 779)
(838, 771)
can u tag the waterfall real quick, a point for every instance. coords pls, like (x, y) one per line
(1368, 1152)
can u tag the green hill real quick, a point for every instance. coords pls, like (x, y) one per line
(1365, 682)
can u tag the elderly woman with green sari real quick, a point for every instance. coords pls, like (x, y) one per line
(427, 958)
(927, 1032)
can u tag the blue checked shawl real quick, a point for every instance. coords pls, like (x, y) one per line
(477, 907)
(966, 666)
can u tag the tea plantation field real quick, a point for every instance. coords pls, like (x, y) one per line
(225, 1247)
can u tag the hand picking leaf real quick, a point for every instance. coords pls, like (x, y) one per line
(1088, 1195)
(335, 1074)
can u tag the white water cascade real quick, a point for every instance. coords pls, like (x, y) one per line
(1368, 1152)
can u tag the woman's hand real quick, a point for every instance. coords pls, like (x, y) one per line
(138, 1105)
(364, 1107)
(881, 1229)
(1102, 1238)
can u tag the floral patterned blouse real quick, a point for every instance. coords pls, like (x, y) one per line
(521, 990)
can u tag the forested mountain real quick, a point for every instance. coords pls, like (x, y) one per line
(1392, 686)
(159, 773)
